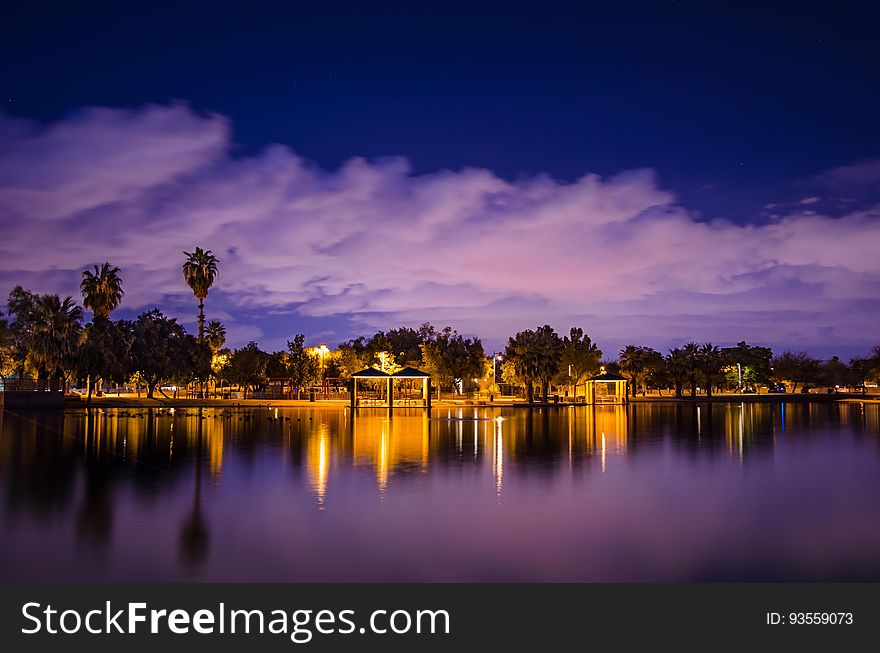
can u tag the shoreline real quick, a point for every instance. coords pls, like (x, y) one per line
(337, 404)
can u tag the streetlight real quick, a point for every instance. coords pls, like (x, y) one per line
(570, 388)
(323, 350)
(495, 358)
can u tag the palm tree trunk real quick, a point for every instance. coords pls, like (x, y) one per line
(201, 319)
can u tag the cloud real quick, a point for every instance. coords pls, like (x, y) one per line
(379, 246)
(859, 174)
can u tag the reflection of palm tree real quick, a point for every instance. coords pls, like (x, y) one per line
(101, 290)
(199, 271)
(95, 520)
(194, 535)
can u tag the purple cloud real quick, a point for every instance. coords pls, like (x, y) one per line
(373, 245)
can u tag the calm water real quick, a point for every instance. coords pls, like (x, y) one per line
(652, 492)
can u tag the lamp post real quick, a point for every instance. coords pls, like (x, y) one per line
(495, 358)
(323, 349)
(570, 388)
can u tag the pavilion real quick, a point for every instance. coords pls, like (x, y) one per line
(606, 388)
(406, 374)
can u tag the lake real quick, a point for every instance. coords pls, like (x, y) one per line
(648, 492)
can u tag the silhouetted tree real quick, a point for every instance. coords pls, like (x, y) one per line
(199, 271)
(302, 368)
(448, 357)
(101, 290)
(580, 358)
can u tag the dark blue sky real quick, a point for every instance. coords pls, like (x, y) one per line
(730, 103)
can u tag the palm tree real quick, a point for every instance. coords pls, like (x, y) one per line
(55, 336)
(199, 271)
(101, 290)
(710, 363)
(549, 357)
(691, 354)
(215, 335)
(215, 338)
(632, 363)
(677, 368)
(523, 352)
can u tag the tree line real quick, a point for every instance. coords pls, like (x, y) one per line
(45, 337)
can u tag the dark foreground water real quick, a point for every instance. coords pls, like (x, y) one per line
(649, 492)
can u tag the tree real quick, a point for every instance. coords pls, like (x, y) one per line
(247, 367)
(836, 374)
(860, 369)
(199, 271)
(655, 370)
(710, 363)
(536, 357)
(677, 369)
(753, 363)
(276, 365)
(550, 356)
(797, 368)
(101, 290)
(873, 361)
(404, 343)
(102, 293)
(353, 356)
(22, 306)
(450, 357)
(302, 368)
(7, 351)
(215, 335)
(509, 375)
(159, 349)
(54, 338)
(104, 351)
(580, 357)
(691, 353)
(638, 363)
(522, 355)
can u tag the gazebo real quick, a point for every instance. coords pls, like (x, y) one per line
(606, 388)
(407, 373)
(413, 374)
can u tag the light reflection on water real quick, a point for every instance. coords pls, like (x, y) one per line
(648, 492)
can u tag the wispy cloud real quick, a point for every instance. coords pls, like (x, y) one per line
(383, 246)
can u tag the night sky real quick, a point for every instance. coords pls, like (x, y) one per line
(654, 172)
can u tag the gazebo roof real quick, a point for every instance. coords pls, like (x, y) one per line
(411, 373)
(608, 376)
(371, 373)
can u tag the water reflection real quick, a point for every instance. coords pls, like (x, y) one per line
(82, 489)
